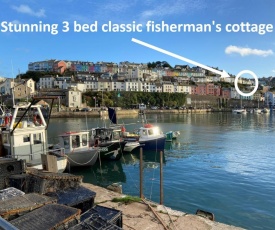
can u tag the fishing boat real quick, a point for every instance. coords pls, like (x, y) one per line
(130, 146)
(24, 136)
(172, 135)
(77, 148)
(175, 134)
(149, 137)
(108, 141)
(169, 136)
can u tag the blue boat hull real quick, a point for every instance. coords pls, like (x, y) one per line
(156, 144)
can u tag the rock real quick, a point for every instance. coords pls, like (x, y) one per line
(115, 187)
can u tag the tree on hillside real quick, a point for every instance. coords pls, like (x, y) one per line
(158, 64)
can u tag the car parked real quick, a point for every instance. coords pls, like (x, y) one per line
(85, 110)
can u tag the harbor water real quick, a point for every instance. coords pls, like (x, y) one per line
(221, 162)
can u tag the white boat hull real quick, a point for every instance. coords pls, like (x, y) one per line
(82, 158)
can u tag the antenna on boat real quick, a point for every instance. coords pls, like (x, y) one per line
(12, 89)
(86, 120)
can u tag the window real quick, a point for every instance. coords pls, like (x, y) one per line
(5, 139)
(84, 140)
(66, 142)
(75, 141)
(116, 135)
(37, 138)
(26, 138)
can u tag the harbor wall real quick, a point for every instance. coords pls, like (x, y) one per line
(132, 112)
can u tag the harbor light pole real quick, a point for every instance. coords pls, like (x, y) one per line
(102, 97)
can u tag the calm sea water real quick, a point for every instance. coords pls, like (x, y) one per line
(222, 163)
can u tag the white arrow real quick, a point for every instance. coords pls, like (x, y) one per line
(223, 73)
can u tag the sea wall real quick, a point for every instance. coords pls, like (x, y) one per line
(132, 112)
(149, 215)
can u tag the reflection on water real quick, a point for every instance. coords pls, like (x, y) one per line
(103, 174)
(221, 162)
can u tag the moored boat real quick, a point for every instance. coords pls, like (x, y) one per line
(26, 139)
(77, 149)
(169, 136)
(149, 137)
(109, 142)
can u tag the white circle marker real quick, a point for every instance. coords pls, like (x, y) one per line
(255, 87)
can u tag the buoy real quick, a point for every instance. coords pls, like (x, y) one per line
(37, 119)
(148, 126)
(123, 129)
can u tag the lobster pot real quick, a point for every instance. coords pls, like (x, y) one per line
(95, 221)
(48, 217)
(8, 167)
(19, 205)
(112, 216)
(19, 181)
(11, 192)
(46, 182)
(81, 198)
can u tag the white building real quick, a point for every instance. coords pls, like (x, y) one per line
(73, 98)
(46, 82)
(234, 94)
(62, 82)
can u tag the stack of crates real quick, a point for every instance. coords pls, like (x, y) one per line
(18, 205)
(95, 221)
(48, 217)
(45, 182)
(111, 215)
(81, 198)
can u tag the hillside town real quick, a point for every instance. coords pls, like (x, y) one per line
(70, 79)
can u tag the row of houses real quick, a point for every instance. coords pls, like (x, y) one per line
(24, 89)
(70, 89)
(130, 70)
(125, 76)
(166, 84)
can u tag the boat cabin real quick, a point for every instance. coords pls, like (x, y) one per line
(106, 134)
(23, 137)
(149, 130)
(71, 141)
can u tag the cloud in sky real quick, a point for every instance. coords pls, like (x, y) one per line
(118, 6)
(243, 51)
(25, 9)
(165, 8)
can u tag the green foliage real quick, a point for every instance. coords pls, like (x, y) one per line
(128, 98)
(158, 64)
(225, 84)
(126, 199)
